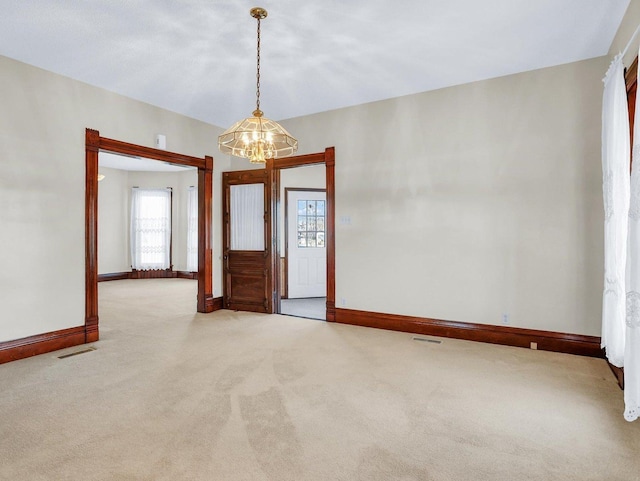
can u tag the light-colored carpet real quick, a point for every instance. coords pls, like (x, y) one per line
(309, 307)
(173, 395)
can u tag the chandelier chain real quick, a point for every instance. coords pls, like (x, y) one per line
(258, 70)
(257, 138)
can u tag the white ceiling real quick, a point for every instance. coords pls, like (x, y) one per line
(126, 162)
(197, 57)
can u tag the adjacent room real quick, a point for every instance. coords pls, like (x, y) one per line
(415, 258)
(147, 218)
(303, 285)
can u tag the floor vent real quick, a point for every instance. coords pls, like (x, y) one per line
(424, 339)
(89, 349)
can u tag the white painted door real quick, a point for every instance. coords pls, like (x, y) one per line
(306, 216)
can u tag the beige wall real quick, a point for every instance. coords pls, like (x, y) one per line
(472, 202)
(42, 174)
(113, 221)
(628, 26)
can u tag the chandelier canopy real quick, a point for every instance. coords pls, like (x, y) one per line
(257, 138)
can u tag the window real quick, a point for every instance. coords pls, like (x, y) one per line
(247, 217)
(192, 229)
(150, 228)
(311, 220)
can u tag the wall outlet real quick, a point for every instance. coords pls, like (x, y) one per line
(534, 346)
(343, 302)
(505, 319)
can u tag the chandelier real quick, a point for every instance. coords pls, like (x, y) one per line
(257, 138)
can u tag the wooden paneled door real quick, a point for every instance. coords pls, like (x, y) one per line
(247, 241)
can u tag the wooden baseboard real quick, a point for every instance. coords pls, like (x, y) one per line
(186, 275)
(212, 304)
(216, 303)
(114, 276)
(618, 372)
(509, 336)
(331, 312)
(41, 343)
(151, 274)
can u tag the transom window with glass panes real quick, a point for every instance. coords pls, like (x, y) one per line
(311, 217)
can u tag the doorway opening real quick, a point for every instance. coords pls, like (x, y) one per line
(148, 219)
(94, 144)
(303, 264)
(305, 235)
(252, 235)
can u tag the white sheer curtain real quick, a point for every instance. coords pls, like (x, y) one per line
(632, 339)
(615, 186)
(621, 313)
(150, 228)
(247, 217)
(192, 229)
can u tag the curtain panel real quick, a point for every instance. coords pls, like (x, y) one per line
(247, 217)
(150, 228)
(632, 334)
(192, 229)
(615, 187)
(621, 298)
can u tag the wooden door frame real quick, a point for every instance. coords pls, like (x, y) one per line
(285, 270)
(328, 158)
(94, 143)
